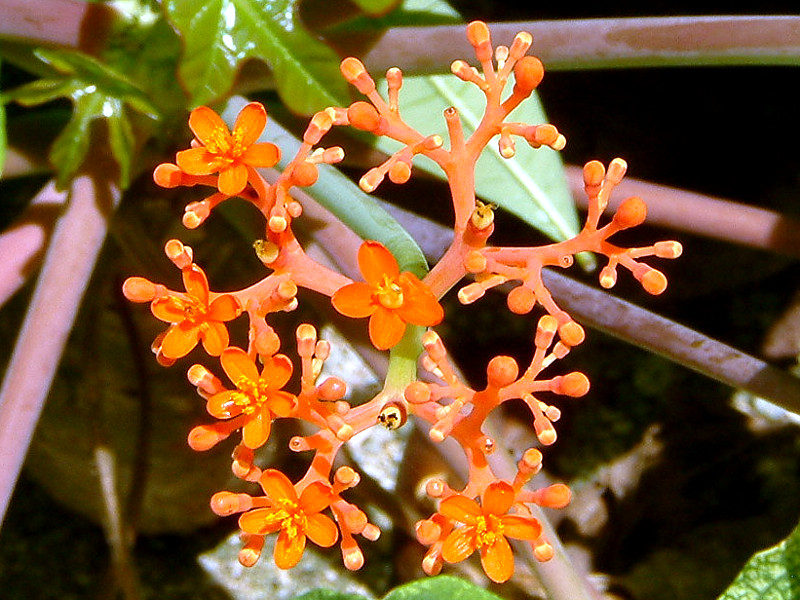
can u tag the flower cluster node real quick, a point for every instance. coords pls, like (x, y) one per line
(399, 305)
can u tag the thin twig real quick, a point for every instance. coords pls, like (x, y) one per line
(604, 43)
(68, 264)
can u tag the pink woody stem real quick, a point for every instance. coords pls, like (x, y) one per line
(68, 265)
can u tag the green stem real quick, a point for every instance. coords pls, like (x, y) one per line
(403, 360)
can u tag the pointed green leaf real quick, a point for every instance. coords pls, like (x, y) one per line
(530, 185)
(97, 91)
(773, 574)
(219, 35)
(442, 586)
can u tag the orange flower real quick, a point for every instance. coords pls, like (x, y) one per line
(389, 298)
(194, 318)
(486, 529)
(229, 153)
(257, 397)
(295, 518)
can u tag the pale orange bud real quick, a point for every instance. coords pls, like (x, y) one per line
(195, 214)
(371, 180)
(522, 42)
(593, 173)
(478, 35)
(400, 172)
(571, 333)
(475, 262)
(432, 563)
(668, 249)
(305, 174)
(616, 170)
(541, 135)
(521, 300)
(332, 389)
(608, 277)
(433, 345)
(139, 289)
(470, 293)
(205, 437)
(502, 371)
(346, 476)
(249, 555)
(435, 487)
(545, 331)
(506, 146)
(180, 255)
(319, 125)
(574, 384)
(168, 175)
(462, 70)
(653, 281)
(557, 495)
(356, 74)
(528, 74)
(266, 251)
(428, 531)
(545, 431)
(631, 212)
(417, 392)
(531, 461)
(542, 550)
(227, 503)
(364, 116)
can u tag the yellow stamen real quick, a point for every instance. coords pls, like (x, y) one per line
(389, 294)
(251, 395)
(488, 530)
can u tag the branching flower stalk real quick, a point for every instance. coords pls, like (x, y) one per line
(401, 302)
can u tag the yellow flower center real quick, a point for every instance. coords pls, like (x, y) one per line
(488, 530)
(291, 517)
(226, 145)
(389, 293)
(251, 394)
(194, 312)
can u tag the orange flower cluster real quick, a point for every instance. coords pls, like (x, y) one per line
(400, 306)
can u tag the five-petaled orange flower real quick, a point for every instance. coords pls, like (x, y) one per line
(295, 518)
(486, 528)
(194, 319)
(228, 153)
(389, 298)
(258, 398)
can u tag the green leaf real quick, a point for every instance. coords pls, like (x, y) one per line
(97, 91)
(773, 574)
(442, 586)
(219, 35)
(325, 594)
(531, 185)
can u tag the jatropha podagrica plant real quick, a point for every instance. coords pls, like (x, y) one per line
(401, 306)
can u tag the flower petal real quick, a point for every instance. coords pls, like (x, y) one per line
(498, 560)
(460, 508)
(196, 283)
(171, 309)
(205, 124)
(237, 364)
(497, 498)
(375, 261)
(224, 308)
(277, 371)
(199, 161)
(420, 306)
(385, 328)
(260, 521)
(277, 486)
(255, 432)
(459, 544)
(354, 300)
(180, 340)
(321, 530)
(261, 155)
(315, 498)
(521, 528)
(289, 549)
(250, 123)
(222, 406)
(214, 336)
(281, 403)
(233, 179)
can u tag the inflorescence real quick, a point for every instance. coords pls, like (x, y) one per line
(401, 307)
